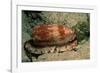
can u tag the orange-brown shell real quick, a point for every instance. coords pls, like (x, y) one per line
(52, 34)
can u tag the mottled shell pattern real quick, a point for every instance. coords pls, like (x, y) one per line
(44, 35)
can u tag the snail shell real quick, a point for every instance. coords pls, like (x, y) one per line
(47, 35)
